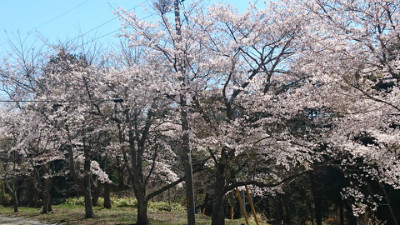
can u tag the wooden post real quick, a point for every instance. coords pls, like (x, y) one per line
(242, 206)
(232, 212)
(251, 204)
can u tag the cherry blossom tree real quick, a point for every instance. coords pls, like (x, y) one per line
(32, 139)
(230, 69)
(75, 111)
(143, 124)
(351, 51)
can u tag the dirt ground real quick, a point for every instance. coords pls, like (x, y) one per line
(18, 221)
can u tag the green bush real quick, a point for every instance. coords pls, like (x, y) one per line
(130, 202)
(5, 199)
(165, 206)
(75, 201)
(123, 202)
(115, 202)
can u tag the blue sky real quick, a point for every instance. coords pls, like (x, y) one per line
(59, 20)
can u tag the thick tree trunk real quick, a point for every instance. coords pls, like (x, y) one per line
(89, 213)
(15, 201)
(205, 204)
(186, 152)
(316, 199)
(96, 193)
(142, 218)
(279, 211)
(351, 219)
(218, 216)
(45, 209)
(310, 208)
(106, 195)
(341, 213)
(49, 205)
(47, 195)
(138, 183)
(388, 202)
(287, 213)
(33, 192)
(120, 173)
(318, 213)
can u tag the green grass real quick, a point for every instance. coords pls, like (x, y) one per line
(75, 215)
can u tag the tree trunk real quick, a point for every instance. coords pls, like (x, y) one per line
(15, 201)
(96, 193)
(287, 212)
(187, 155)
(120, 172)
(142, 218)
(47, 195)
(318, 213)
(107, 199)
(243, 196)
(138, 184)
(389, 204)
(310, 208)
(88, 196)
(218, 216)
(341, 212)
(279, 211)
(33, 194)
(205, 204)
(351, 219)
(316, 200)
(89, 213)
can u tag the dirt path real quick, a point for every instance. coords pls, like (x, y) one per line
(18, 221)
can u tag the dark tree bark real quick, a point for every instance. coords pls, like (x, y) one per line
(341, 212)
(89, 213)
(33, 194)
(15, 201)
(287, 212)
(186, 151)
(139, 186)
(106, 195)
(218, 216)
(316, 199)
(120, 172)
(96, 193)
(142, 218)
(279, 211)
(47, 195)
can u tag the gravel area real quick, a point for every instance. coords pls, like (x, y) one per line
(19, 221)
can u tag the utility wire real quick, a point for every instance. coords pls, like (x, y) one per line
(54, 18)
(89, 31)
(114, 31)
(116, 100)
(106, 22)
(62, 14)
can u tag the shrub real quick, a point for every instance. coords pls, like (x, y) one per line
(130, 202)
(165, 206)
(75, 201)
(124, 202)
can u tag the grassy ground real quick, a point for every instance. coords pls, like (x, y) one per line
(74, 215)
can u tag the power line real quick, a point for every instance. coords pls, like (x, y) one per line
(54, 18)
(89, 31)
(114, 31)
(62, 14)
(106, 22)
(116, 100)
